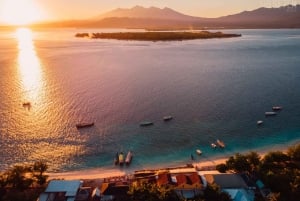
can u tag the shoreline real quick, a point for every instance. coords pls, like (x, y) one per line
(206, 164)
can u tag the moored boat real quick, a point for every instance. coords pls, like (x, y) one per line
(121, 158)
(167, 118)
(276, 108)
(270, 113)
(220, 143)
(84, 125)
(198, 151)
(259, 122)
(128, 158)
(116, 161)
(146, 123)
(213, 145)
(26, 104)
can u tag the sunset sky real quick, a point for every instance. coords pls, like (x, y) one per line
(27, 11)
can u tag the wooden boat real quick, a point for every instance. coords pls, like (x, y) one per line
(213, 145)
(26, 104)
(121, 159)
(220, 143)
(167, 118)
(146, 123)
(198, 151)
(276, 108)
(128, 158)
(116, 161)
(259, 122)
(84, 125)
(270, 113)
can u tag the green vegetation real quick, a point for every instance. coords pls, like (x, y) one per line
(279, 171)
(159, 36)
(23, 183)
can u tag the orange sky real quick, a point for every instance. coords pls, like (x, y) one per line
(27, 11)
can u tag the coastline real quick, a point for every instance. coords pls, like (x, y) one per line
(204, 164)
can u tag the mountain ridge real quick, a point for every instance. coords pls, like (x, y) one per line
(167, 18)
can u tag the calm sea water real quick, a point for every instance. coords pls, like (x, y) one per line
(214, 89)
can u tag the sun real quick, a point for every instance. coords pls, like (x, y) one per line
(20, 12)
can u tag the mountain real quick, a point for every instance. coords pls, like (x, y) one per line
(166, 18)
(147, 13)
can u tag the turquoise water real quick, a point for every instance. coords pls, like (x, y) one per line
(214, 89)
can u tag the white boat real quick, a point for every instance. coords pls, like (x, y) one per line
(220, 143)
(259, 122)
(270, 113)
(146, 123)
(198, 151)
(213, 145)
(276, 108)
(128, 158)
(167, 118)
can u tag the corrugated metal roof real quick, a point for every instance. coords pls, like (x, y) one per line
(70, 187)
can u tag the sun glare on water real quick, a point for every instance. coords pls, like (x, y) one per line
(20, 12)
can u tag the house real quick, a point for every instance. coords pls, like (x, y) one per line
(233, 184)
(58, 190)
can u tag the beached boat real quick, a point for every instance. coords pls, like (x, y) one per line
(128, 158)
(167, 118)
(84, 125)
(116, 161)
(259, 122)
(276, 108)
(220, 143)
(198, 151)
(270, 113)
(121, 158)
(146, 123)
(213, 145)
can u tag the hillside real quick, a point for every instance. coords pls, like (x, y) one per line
(166, 18)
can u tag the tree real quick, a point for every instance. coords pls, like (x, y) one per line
(253, 159)
(214, 193)
(152, 192)
(239, 163)
(19, 177)
(294, 153)
(222, 168)
(39, 169)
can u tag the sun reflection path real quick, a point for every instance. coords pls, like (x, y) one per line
(29, 65)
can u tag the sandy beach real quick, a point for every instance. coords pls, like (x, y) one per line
(101, 173)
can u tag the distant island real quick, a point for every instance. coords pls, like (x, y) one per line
(158, 36)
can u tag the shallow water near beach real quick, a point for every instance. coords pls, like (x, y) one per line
(214, 89)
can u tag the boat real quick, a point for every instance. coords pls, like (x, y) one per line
(84, 125)
(167, 118)
(259, 122)
(26, 104)
(121, 159)
(146, 123)
(270, 113)
(213, 145)
(116, 161)
(276, 108)
(220, 143)
(198, 151)
(128, 158)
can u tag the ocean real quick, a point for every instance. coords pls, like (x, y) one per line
(213, 88)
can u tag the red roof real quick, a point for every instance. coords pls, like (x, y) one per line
(195, 178)
(181, 179)
(163, 179)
